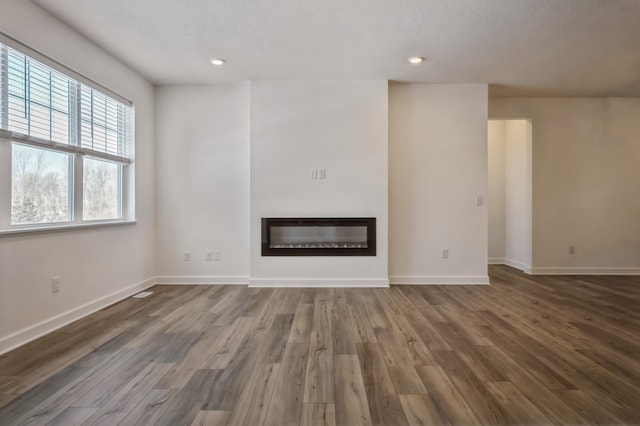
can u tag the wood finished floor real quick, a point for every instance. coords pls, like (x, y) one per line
(526, 350)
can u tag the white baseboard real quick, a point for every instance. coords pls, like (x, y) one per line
(561, 270)
(202, 279)
(439, 279)
(26, 335)
(518, 265)
(509, 262)
(319, 282)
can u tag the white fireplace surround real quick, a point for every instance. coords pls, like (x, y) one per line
(338, 126)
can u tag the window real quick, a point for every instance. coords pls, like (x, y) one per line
(102, 190)
(65, 147)
(39, 185)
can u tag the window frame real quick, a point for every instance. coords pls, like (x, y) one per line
(70, 189)
(121, 181)
(74, 149)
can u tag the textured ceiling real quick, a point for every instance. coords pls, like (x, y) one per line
(521, 47)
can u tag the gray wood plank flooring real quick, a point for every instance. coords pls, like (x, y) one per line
(530, 350)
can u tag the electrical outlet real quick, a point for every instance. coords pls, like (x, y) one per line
(187, 256)
(322, 174)
(209, 256)
(445, 253)
(572, 249)
(55, 285)
(216, 255)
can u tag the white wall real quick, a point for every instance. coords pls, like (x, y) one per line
(517, 191)
(495, 198)
(586, 190)
(438, 166)
(98, 265)
(510, 193)
(340, 126)
(203, 179)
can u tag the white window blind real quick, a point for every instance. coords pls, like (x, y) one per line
(42, 106)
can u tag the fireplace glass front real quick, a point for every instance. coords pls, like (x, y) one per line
(318, 237)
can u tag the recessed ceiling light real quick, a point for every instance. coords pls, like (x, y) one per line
(415, 60)
(217, 62)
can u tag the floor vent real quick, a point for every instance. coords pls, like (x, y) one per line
(142, 295)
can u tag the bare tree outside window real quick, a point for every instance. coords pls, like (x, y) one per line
(101, 190)
(39, 186)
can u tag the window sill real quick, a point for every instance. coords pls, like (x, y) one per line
(65, 227)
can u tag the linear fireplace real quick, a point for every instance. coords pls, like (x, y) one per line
(319, 236)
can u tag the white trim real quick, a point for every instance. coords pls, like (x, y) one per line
(66, 226)
(36, 142)
(203, 280)
(5, 184)
(77, 183)
(604, 270)
(439, 279)
(26, 335)
(518, 265)
(509, 262)
(319, 282)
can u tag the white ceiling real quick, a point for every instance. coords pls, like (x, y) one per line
(522, 47)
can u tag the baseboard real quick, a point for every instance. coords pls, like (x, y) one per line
(518, 265)
(35, 331)
(561, 270)
(319, 282)
(509, 262)
(202, 279)
(439, 279)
